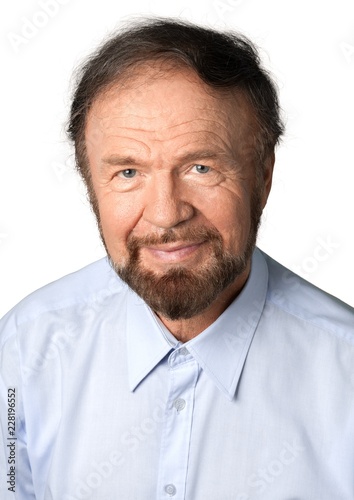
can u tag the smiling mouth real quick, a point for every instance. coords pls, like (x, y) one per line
(173, 252)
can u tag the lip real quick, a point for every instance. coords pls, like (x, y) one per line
(174, 252)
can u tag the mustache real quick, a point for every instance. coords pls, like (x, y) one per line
(185, 235)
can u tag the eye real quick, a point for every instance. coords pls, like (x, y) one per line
(128, 173)
(201, 169)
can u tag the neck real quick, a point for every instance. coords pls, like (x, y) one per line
(186, 329)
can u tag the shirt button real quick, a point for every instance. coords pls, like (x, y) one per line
(179, 404)
(184, 351)
(170, 489)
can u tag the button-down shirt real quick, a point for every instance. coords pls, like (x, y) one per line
(109, 405)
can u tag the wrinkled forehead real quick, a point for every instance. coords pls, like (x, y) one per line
(164, 95)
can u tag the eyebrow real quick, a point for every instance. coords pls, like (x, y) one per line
(202, 155)
(119, 160)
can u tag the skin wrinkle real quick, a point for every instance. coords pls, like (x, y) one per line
(155, 132)
(234, 162)
(134, 81)
(166, 195)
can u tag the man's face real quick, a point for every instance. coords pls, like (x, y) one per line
(174, 175)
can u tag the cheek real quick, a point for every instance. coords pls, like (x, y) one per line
(119, 215)
(235, 228)
(231, 216)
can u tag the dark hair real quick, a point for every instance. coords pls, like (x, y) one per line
(222, 60)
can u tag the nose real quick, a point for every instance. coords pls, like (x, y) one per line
(166, 205)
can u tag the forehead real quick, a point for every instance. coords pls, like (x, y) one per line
(170, 102)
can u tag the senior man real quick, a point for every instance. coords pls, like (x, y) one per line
(187, 364)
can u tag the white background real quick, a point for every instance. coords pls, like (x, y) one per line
(46, 227)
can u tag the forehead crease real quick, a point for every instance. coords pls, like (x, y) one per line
(199, 121)
(203, 124)
(191, 130)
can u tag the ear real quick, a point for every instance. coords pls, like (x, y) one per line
(268, 177)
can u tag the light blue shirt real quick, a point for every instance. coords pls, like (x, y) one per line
(110, 406)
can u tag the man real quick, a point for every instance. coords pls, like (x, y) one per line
(188, 364)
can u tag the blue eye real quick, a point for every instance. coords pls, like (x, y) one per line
(128, 173)
(202, 169)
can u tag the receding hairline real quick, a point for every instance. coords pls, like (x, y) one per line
(160, 67)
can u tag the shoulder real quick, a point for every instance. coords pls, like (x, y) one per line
(83, 287)
(302, 301)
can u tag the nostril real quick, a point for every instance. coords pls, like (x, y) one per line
(169, 213)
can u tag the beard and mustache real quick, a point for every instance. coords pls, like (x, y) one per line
(181, 292)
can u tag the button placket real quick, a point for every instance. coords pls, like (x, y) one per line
(177, 426)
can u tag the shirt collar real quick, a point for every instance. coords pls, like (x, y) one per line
(220, 350)
(147, 341)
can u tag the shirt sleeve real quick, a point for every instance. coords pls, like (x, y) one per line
(16, 477)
